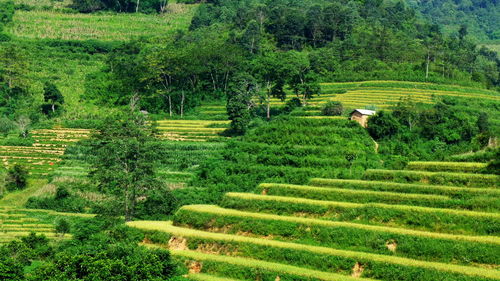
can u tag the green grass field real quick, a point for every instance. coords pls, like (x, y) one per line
(106, 27)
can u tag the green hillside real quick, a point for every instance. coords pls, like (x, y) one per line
(212, 140)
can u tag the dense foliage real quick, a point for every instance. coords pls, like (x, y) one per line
(286, 150)
(481, 16)
(432, 132)
(102, 249)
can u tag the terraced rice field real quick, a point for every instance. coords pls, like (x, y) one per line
(384, 94)
(191, 130)
(19, 222)
(46, 152)
(379, 228)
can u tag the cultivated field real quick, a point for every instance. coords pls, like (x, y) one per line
(106, 27)
(379, 228)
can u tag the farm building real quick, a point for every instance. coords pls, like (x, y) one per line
(361, 116)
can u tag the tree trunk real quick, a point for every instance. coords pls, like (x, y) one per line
(53, 108)
(137, 6)
(428, 62)
(170, 105)
(182, 104)
(268, 106)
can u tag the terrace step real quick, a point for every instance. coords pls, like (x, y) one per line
(443, 178)
(464, 167)
(333, 259)
(415, 217)
(350, 195)
(207, 277)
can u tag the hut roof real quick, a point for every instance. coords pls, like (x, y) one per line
(364, 112)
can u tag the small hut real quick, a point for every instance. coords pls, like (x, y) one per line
(361, 116)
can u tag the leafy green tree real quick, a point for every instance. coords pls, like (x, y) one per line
(271, 73)
(17, 178)
(13, 66)
(62, 226)
(6, 12)
(52, 96)
(333, 108)
(383, 125)
(125, 160)
(10, 268)
(407, 112)
(239, 103)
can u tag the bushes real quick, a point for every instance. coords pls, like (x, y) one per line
(464, 167)
(339, 235)
(285, 150)
(359, 196)
(458, 179)
(327, 260)
(333, 108)
(17, 178)
(422, 218)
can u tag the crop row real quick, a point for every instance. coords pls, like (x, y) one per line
(414, 217)
(328, 260)
(465, 167)
(344, 235)
(445, 178)
(478, 199)
(356, 195)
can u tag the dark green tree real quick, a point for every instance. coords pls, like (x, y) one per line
(239, 103)
(383, 125)
(17, 178)
(125, 160)
(333, 108)
(62, 226)
(6, 12)
(52, 96)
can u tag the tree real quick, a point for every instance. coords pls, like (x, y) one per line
(23, 124)
(239, 103)
(382, 125)
(333, 108)
(125, 159)
(53, 96)
(7, 9)
(17, 178)
(62, 226)
(406, 112)
(13, 66)
(271, 73)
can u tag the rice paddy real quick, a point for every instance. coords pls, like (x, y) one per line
(375, 229)
(191, 130)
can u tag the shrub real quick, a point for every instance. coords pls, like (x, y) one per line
(333, 108)
(62, 226)
(17, 178)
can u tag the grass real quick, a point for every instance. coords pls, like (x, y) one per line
(206, 277)
(464, 167)
(445, 178)
(350, 195)
(211, 209)
(415, 217)
(367, 257)
(106, 27)
(265, 266)
(477, 199)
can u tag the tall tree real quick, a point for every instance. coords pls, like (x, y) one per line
(52, 95)
(125, 158)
